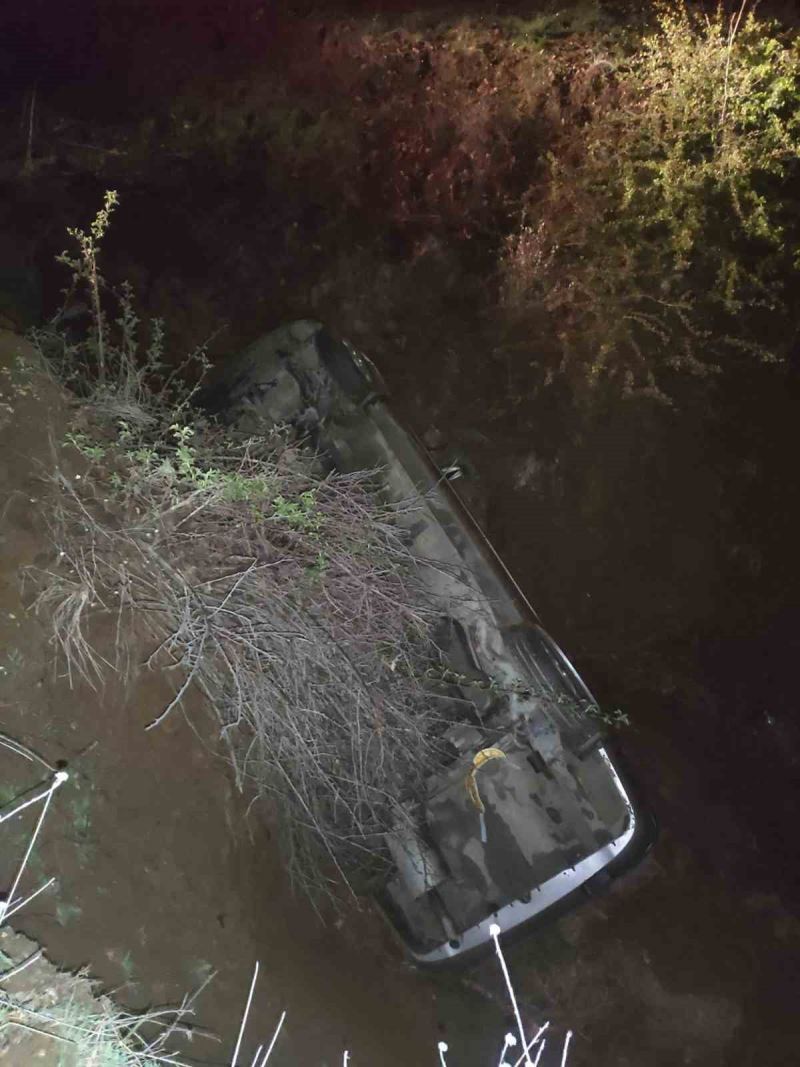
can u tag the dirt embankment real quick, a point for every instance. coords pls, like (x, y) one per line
(164, 874)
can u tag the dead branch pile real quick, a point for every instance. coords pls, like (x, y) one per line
(287, 596)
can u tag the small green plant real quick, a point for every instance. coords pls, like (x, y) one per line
(444, 675)
(237, 486)
(80, 812)
(67, 912)
(127, 966)
(301, 513)
(613, 717)
(84, 269)
(318, 568)
(118, 369)
(14, 661)
(85, 446)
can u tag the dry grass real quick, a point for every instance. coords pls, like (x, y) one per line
(54, 1016)
(287, 595)
(98, 1036)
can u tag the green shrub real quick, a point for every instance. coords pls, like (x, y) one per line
(661, 238)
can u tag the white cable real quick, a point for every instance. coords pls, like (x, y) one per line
(494, 930)
(58, 779)
(508, 1042)
(567, 1040)
(13, 971)
(539, 1033)
(268, 1053)
(12, 910)
(39, 796)
(244, 1017)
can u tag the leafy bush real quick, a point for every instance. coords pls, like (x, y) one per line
(662, 237)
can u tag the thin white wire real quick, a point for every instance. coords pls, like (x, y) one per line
(16, 748)
(23, 750)
(244, 1017)
(268, 1053)
(539, 1033)
(508, 1042)
(32, 800)
(13, 971)
(567, 1040)
(13, 910)
(494, 930)
(58, 779)
(6, 910)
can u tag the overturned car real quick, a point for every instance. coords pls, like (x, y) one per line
(530, 808)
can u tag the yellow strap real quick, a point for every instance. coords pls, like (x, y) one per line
(478, 761)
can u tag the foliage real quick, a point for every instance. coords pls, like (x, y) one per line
(441, 674)
(631, 195)
(84, 269)
(661, 238)
(634, 193)
(121, 378)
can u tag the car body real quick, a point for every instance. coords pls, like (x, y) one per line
(533, 807)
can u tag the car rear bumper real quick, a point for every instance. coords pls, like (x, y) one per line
(555, 896)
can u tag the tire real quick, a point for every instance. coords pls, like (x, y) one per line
(353, 373)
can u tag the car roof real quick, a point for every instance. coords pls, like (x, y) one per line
(551, 799)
